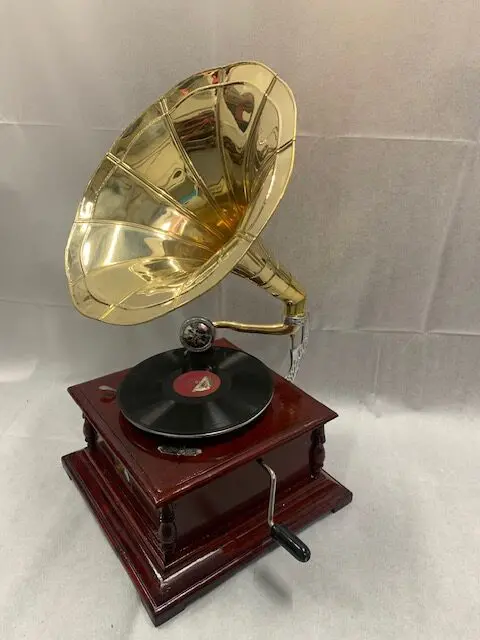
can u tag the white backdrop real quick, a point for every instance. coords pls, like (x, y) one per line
(379, 223)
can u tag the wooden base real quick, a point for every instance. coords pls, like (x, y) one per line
(181, 524)
(166, 593)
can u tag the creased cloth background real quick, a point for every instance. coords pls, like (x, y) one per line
(380, 223)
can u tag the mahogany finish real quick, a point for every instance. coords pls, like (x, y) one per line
(180, 524)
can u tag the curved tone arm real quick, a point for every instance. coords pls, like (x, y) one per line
(259, 266)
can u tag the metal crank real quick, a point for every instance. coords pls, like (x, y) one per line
(279, 532)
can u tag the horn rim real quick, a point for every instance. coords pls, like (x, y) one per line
(222, 262)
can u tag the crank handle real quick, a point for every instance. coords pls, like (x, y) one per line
(279, 532)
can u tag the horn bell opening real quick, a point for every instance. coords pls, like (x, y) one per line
(182, 194)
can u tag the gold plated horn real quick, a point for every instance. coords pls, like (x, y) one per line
(181, 197)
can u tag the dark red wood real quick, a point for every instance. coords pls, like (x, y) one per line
(317, 451)
(181, 524)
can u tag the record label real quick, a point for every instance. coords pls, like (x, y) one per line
(196, 384)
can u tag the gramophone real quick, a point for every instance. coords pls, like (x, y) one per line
(199, 458)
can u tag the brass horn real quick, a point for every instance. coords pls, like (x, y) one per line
(180, 200)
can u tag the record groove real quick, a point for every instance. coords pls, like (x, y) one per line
(170, 395)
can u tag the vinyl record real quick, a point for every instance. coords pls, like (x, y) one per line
(183, 396)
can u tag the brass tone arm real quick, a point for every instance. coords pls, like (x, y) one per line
(259, 266)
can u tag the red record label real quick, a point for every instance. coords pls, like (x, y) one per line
(196, 384)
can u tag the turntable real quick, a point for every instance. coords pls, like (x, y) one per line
(199, 458)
